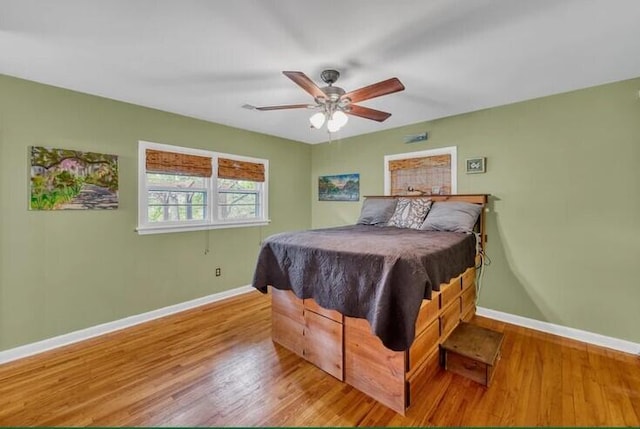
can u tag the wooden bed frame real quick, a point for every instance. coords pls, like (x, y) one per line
(345, 347)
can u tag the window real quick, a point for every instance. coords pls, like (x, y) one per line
(428, 172)
(182, 189)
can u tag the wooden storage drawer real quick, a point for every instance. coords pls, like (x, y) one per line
(469, 277)
(316, 338)
(423, 345)
(449, 319)
(450, 292)
(285, 302)
(419, 379)
(468, 299)
(323, 343)
(466, 317)
(429, 310)
(475, 370)
(311, 304)
(287, 332)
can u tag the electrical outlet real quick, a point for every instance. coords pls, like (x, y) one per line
(218, 272)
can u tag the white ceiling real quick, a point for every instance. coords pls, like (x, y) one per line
(206, 59)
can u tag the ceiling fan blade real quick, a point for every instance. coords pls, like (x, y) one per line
(305, 83)
(385, 87)
(286, 106)
(368, 113)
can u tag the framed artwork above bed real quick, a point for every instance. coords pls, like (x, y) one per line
(340, 187)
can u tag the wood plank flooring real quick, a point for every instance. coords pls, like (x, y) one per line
(217, 366)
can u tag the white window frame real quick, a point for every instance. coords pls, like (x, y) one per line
(211, 220)
(449, 150)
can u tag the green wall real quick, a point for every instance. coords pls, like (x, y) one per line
(564, 220)
(564, 229)
(67, 270)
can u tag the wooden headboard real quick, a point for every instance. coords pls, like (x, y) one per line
(481, 199)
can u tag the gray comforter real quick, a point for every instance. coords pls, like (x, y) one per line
(377, 273)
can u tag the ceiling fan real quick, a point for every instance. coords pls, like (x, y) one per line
(334, 103)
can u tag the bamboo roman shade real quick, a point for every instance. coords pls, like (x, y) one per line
(177, 163)
(429, 174)
(425, 162)
(240, 170)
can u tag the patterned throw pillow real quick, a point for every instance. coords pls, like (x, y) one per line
(410, 212)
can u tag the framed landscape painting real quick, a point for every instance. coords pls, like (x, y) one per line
(63, 179)
(341, 187)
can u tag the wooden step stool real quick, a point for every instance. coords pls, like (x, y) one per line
(473, 352)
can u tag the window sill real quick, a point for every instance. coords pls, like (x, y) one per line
(147, 230)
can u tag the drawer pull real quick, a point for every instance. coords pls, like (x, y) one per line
(470, 365)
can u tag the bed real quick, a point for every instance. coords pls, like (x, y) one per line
(371, 304)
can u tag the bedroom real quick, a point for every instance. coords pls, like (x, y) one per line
(561, 164)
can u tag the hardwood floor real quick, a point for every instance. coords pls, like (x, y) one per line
(216, 366)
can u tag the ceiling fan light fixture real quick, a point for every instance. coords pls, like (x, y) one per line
(317, 120)
(332, 126)
(337, 121)
(340, 118)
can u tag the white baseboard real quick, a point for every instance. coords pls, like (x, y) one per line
(562, 331)
(94, 331)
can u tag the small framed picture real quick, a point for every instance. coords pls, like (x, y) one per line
(476, 165)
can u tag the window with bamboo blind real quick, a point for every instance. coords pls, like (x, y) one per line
(425, 172)
(182, 189)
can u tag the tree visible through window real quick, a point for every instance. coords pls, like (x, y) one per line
(174, 197)
(238, 199)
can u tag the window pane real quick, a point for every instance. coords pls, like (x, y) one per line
(237, 212)
(237, 185)
(237, 205)
(176, 198)
(229, 198)
(175, 213)
(175, 180)
(172, 206)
